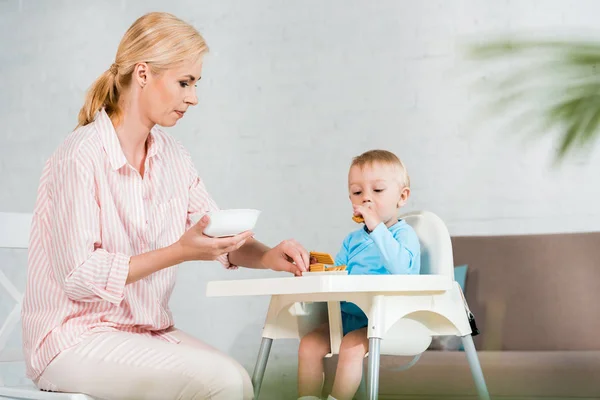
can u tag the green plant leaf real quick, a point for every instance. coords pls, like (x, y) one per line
(562, 77)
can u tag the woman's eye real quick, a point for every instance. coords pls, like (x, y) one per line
(379, 190)
(356, 193)
(183, 84)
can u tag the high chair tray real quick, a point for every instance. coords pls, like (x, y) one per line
(315, 283)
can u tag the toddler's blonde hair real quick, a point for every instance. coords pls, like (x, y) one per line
(383, 157)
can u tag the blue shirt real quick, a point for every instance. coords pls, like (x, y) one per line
(384, 251)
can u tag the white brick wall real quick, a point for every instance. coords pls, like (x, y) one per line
(291, 91)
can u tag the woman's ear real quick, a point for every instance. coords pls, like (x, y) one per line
(140, 74)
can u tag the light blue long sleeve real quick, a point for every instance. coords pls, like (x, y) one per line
(385, 251)
(397, 251)
(394, 250)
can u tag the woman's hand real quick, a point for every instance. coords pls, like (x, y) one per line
(288, 256)
(195, 245)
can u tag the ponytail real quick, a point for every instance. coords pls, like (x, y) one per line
(102, 93)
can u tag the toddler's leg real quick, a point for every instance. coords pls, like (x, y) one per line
(350, 365)
(313, 347)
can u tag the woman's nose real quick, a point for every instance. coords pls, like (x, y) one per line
(191, 99)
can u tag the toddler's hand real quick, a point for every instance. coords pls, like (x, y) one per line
(368, 213)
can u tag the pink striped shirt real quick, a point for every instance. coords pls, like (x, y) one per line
(93, 212)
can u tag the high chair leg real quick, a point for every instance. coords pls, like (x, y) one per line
(476, 371)
(373, 372)
(261, 365)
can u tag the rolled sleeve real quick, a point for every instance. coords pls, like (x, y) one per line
(117, 277)
(86, 271)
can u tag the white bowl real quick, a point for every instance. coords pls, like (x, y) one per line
(225, 223)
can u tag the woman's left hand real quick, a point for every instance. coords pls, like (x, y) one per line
(289, 256)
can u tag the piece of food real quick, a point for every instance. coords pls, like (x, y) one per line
(322, 258)
(318, 267)
(358, 219)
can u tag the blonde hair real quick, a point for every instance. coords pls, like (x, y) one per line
(383, 157)
(159, 39)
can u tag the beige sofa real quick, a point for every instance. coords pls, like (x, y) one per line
(536, 299)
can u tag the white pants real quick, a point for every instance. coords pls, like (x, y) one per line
(126, 366)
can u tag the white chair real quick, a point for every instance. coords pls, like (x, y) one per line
(14, 234)
(399, 323)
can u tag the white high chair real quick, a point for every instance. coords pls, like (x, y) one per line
(14, 234)
(404, 312)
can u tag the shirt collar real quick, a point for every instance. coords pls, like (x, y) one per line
(112, 146)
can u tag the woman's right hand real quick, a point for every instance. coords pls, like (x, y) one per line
(195, 245)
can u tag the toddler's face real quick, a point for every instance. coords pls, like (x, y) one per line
(378, 184)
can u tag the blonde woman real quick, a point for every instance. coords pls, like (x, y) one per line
(110, 223)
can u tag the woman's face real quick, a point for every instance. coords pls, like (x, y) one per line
(165, 97)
